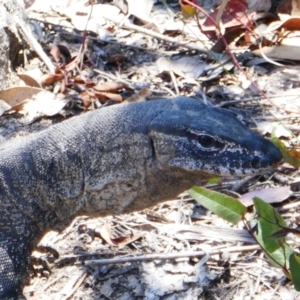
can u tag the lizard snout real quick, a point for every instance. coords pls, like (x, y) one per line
(272, 158)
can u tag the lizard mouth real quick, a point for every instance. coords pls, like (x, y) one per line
(265, 158)
(259, 164)
(263, 163)
(247, 164)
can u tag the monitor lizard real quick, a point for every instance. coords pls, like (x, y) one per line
(114, 160)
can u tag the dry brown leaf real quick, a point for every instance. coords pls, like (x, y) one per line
(289, 24)
(55, 52)
(283, 51)
(116, 59)
(187, 67)
(4, 107)
(16, 95)
(48, 79)
(106, 234)
(235, 14)
(29, 81)
(287, 47)
(112, 86)
(79, 80)
(41, 104)
(146, 227)
(141, 96)
(103, 96)
(87, 98)
(271, 195)
(230, 36)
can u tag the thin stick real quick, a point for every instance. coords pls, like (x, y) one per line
(36, 47)
(161, 37)
(165, 256)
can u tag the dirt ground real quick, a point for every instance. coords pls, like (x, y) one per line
(176, 250)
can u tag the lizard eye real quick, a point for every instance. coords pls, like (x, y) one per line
(206, 141)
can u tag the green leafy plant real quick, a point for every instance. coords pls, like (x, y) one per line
(268, 228)
(224, 206)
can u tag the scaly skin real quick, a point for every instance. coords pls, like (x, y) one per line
(117, 159)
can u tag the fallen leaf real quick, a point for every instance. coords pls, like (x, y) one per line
(112, 86)
(116, 59)
(4, 107)
(188, 67)
(61, 54)
(106, 234)
(39, 105)
(29, 81)
(141, 96)
(230, 36)
(104, 96)
(48, 79)
(17, 95)
(55, 52)
(87, 98)
(271, 195)
(146, 227)
(286, 46)
(279, 52)
(291, 24)
(234, 15)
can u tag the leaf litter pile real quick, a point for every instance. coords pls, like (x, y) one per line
(233, 54)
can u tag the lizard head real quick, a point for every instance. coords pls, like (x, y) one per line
(196, 137)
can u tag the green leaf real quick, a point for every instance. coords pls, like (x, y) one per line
(269, 223)
(222, 205)
(295, 270)
(187, 11)
(291, 156)
(267, 212)
(214, 180)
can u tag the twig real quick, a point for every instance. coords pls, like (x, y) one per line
(36, 47)
(174, 82)
(78, 283)
(165, 256)
(53, 281)
(161, 37)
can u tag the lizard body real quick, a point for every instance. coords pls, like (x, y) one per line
(110, 161)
